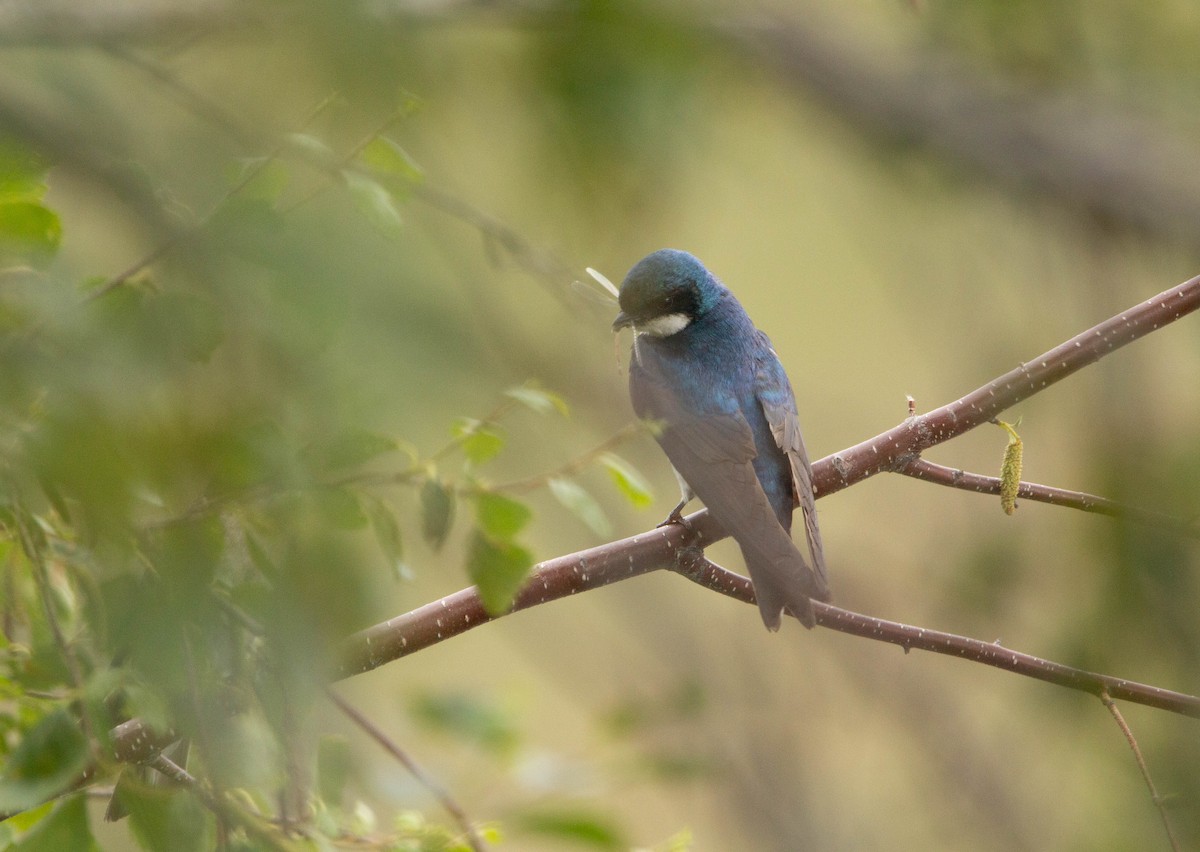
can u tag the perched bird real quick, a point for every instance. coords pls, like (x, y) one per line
(729, 423)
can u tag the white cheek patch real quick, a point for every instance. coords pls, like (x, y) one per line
(666, 325)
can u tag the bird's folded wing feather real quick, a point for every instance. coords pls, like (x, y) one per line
(779, 405)
(730, 489)
(714, 453)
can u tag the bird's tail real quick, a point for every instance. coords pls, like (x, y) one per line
(782, 578)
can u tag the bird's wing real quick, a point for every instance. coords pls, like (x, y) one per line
(774, 393)
(714, 453)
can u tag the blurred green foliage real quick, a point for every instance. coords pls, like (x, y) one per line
(201, 547)
(283, 295)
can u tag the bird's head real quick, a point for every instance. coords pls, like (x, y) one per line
(665, 292)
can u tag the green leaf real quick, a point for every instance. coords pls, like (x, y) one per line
(29, 232)
(340, 507)
(580, 828)
(483, 446)
(165, 820)
(581, 504)
(628, 480)
(22, 172)
(385, 156)
(374, 201)
(23, 822)
(481, 442)
(45, 762)
(538, 399)
(349, 450)
(387, 535)
(498, 570)
(501, 517)
(437, 512)
(65, 828)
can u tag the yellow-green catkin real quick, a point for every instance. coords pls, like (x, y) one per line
(1010, 469)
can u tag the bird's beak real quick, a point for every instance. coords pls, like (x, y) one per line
(623, 320)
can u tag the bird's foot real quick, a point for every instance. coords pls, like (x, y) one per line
(676, 517)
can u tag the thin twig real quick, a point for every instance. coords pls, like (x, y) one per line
(575, 465)
(334, 169)
(928, 471)
(1141, 762)
(42, 579)
(415, 769)
(534, 260)
(178, 237)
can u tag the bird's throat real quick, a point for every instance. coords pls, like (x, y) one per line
(665, 325)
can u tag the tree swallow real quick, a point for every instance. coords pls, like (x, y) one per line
(729, 423)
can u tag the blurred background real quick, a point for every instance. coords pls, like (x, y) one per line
(262, 261)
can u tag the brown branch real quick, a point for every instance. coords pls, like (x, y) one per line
(670, 548)
(415, 769)
(954, 478)
(899, 446)
(1141, 762)
(134, 742)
